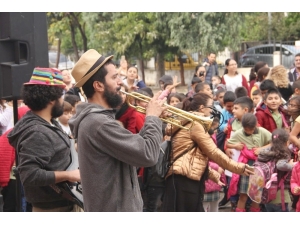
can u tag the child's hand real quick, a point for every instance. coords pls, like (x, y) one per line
(296, 190)
(229, 152)
(225, 129)
(221, 183)
(239, 146)
(256, 150)
(220, 170)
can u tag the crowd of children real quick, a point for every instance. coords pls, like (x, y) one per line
(252, 127)
(257, 124)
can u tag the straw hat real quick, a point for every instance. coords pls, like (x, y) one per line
(88, 64)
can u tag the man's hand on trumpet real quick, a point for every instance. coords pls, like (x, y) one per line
(155, 106)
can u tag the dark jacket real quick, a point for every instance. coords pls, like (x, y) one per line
(42, 149)
(265, 118)
(108, 156)
(211, 70)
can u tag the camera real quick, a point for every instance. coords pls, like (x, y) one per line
(201, 74)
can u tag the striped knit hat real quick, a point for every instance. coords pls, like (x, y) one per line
(46, 76)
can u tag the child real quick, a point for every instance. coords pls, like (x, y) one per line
(174, 98)
(256, 97)
(140, 117)
(270, 113)
(212, 189)
(215, 80)
(229, 98)
(64, 118)
(195, 81)
(203, 87)
(126, 114)
(296, 88)
(295, 181)
(219, 103)
(241, 92)
(241, 106)
(280, 153)
(244, 141)
(74, 100)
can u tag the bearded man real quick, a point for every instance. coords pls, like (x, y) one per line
(42, 146)
(108, 154)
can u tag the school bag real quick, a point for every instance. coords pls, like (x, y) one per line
(263, 184)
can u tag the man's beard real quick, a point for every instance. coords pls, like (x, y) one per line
(57, 110)
(112, 98)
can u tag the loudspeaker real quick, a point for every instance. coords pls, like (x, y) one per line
(23, 46)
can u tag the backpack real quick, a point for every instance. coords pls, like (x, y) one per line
(263, 184)
(165, 159)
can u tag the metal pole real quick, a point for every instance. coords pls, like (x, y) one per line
(269, 26)
(18, 182)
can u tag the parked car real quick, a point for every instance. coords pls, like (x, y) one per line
(64, 62)
(265, 53)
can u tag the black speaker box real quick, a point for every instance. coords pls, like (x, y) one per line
(23, 46)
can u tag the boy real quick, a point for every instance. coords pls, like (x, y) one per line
(241, 106)
(219, 103)
(229, 98)
(203, 87)
(241, 92)
(195, 81)
(250, 139)
(256, 97)
(74, 100)
(269, 113)
(64, 118)
(296, 88)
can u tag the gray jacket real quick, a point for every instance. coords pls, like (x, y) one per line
(42, 150)
(108, 156)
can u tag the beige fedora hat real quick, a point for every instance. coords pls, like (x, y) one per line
(88, 64)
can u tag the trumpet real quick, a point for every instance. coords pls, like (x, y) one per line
(178, 113)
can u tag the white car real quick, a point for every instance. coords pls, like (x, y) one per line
(64, 62)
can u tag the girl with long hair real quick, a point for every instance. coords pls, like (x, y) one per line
(281, 155)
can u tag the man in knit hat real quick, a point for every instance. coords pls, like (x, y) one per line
(42, 146)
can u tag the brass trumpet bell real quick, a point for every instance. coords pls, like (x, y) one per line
(176, 113)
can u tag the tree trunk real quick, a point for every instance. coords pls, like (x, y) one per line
(84, 38)
(74, 41)
(58, 53)
(181, 70)
(160, 69)
(142, 61)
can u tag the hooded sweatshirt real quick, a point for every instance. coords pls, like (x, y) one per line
(42, 149)
(108, 155)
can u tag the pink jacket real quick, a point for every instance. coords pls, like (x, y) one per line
(295, 182)
(210, 185)
(245, 155)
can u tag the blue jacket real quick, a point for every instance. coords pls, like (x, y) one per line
(226, 117)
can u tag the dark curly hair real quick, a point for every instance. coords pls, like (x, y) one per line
(37, 97)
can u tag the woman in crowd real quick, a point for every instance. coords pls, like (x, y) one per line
(232, 79)
(132, 81)
(278, 74)
(185, 178)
